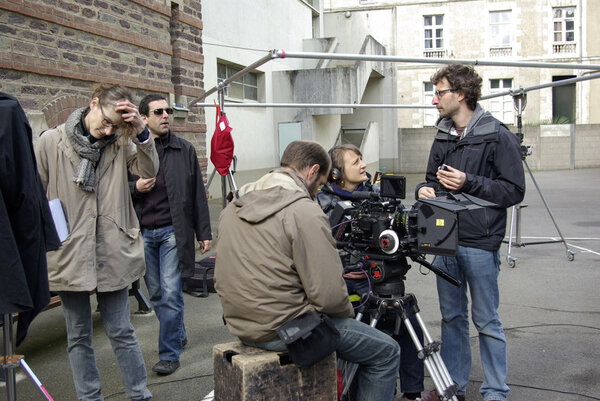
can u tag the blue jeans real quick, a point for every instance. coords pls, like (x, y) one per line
(165, 287)
(377, 353)
(479, 270)
(114, 310)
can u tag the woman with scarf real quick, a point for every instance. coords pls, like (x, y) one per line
(84, 163)
(348, 176)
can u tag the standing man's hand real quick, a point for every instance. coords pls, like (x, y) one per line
(144, 185)
(206, 245)
(451, 178)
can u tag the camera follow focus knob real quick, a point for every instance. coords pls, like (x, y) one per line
(389, 241)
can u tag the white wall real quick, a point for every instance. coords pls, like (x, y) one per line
(242, 32)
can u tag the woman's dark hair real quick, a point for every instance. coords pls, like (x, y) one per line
(302, 154)
(461, 78)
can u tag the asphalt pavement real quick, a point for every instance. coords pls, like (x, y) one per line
(549, 306)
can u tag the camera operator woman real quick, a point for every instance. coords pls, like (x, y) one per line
(349, 175)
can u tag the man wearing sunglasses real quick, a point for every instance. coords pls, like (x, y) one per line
(475, 154)
(172, 209)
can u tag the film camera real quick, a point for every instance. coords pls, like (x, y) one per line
(376, 233)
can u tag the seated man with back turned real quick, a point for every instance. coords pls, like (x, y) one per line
(276, 260)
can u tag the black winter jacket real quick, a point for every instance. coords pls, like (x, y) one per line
(328, 197)
(187, 199)
(26, 226)
(490, 156)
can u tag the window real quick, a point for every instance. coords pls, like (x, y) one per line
(433, 26)
(244, 88)
(501, 107)
(430, 116)
(563, 101)
(564, 30)
(500, 33)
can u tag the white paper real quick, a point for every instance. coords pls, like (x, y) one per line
(59, 219)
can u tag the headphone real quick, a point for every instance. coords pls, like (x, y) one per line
(335, 175)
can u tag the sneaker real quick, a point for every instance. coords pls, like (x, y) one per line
(164, 368)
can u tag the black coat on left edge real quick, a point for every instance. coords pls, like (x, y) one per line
(26, 226)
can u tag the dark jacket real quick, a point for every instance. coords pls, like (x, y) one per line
(187, 197)
(26, 226)
(490, 156)
(330, 194)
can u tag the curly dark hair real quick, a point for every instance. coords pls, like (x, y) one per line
(461, 78)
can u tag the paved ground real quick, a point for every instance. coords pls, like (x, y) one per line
(550, 308)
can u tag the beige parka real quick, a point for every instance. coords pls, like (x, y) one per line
(104, 249)
(276, 259)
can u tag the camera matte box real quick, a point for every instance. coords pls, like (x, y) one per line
(437, 231)
(243, 373)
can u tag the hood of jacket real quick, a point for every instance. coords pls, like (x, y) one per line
(481, 119)
(270, 194)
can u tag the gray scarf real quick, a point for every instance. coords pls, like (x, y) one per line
(85, 177)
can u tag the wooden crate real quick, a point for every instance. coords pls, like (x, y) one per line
(244, 373)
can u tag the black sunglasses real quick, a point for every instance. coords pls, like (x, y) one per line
(159, 112)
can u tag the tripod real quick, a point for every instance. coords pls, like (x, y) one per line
(11, 361)
(401, 307)
(226, 177)
(520, 101)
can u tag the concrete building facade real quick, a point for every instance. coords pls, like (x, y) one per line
(551, 31)
(51, 51)
(262, 133)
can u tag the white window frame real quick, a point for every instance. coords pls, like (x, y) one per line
(239, 88)
(564, 38)
(501, 33)
(430, 116)
(502, 107)
(436, 35)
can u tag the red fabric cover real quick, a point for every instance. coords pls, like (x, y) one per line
(221, 144)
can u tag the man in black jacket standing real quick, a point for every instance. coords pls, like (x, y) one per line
(475, 154)
(172, 208)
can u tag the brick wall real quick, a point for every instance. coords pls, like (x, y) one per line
(52, 51)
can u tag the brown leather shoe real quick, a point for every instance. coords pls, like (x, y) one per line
(430, 396)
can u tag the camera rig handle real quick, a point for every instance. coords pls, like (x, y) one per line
(441, 273)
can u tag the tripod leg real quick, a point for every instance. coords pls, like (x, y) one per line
(570, 254)
(34, 378)
(432, 360)
(8, 366)
(511, 260)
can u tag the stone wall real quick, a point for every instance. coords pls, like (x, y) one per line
(553, 147)
(53, 51)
